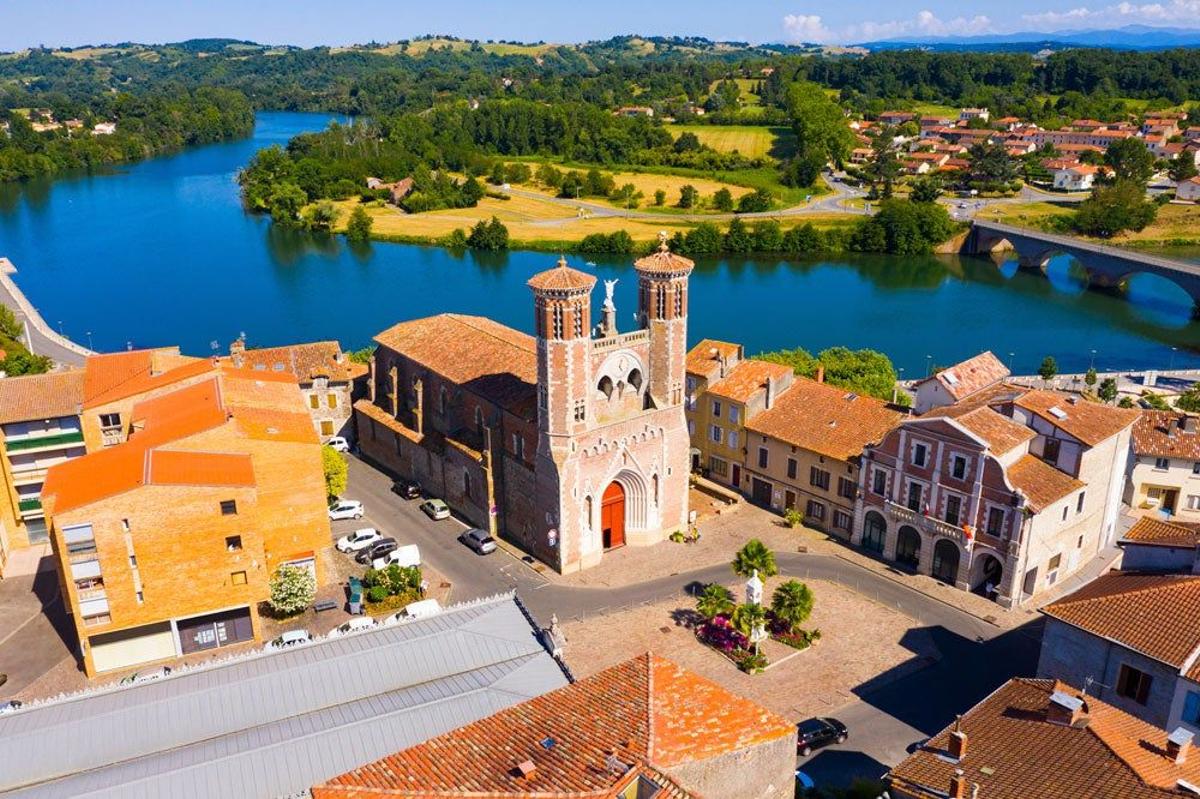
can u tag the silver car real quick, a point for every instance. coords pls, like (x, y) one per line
(479, 540)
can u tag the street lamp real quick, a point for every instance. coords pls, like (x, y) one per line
(1011, 361)
(928, 364)
(1092, 364)
(60, 327)
(89, 335)
(1172, 366)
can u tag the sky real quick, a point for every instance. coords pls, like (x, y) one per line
(65, 23)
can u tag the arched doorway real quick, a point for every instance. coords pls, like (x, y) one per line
(991, 570)
(612, 516)
(908, 546)
(874, 532)
(945, 561)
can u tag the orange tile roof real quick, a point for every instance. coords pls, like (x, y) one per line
(747, 378)
(825, 419)
(663, 261)
(121, 375)
(1156, 532)
(45, 396)
(306, 361)
(1041, 483)
(702, 359)
(652, 713)
(275, 424)
(180, 413)
(974, 374)
(1161, 434)
(171, 467)
(561, 278)
(1002, 434)
(1015, 752)
(1090, 422)
(483, 356)
(1157, 615)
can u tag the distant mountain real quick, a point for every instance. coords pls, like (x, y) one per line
(1130, 37)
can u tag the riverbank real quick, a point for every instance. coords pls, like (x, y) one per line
(40, 338)
(1176, 225)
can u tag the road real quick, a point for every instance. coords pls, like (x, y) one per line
(886, 717)
(39, 337)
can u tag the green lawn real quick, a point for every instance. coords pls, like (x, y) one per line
(752, 141)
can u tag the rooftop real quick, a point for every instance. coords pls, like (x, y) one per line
(1164, 434)
(562, 278)
(647, 711)
(964, 379)
(747, 378)
(663, 261)
(276, 723)
(1156, 532)
(1090, 422)
(704, 358)
(1014, 751)
(119, 375)
(1041, 483)
(306, 361)
(825, 419)
(1001, 433)
(37, 397)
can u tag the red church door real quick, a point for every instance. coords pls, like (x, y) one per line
(612, 516)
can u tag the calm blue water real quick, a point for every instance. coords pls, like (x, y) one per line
(162, 253)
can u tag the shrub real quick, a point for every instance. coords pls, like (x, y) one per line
(292, 589)
(793, 517)
(749, 661)
(333, 463)
(715, 600)
(359, 226)
(754, 556)
(376, 594)
(488, 235)
(703, 239)
(792, 603)
(803, 238)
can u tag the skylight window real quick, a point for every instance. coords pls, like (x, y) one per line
(1057, 412)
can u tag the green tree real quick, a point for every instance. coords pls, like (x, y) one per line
(363, 355)
(628, 196)
(903, 228)
(1108, 389)
(488, 235)
(723, 200)
(738, 239)
(1048, 369)
(756, 201)
(792, 603)
(715, 600)
(1130, 161)
(754, 556)
(687, 142)
(1155, 401)
(1189, 400)
(705, 238)
(865, 371)
(803, 239)
(688, 196)
(747, 618)
(884, 167)
(819, 124)
(1090, 377)
(285, 203)
(768, 236)
(23, 362)
(291, 589)
(660, 197)
(321, 216)
(991, 165)
(358, 227)
(10, 326)
(1114, 209)
(926, 189)
(333, 463)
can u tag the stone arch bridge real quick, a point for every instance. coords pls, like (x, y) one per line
(1107, 268)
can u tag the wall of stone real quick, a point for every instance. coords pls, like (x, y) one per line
(766, 771)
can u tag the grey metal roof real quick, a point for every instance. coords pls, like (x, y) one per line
(277, 724)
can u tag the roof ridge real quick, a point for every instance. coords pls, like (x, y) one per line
(1157, 585)
(468, 320)
(650, 741)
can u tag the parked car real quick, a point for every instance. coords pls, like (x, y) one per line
(376, 550)
(339, 443)
(816, 733)
(346, 509)
(407, 555)
(479, 540)
(357, 624)
(358, 540)
(421, 609)
(435, 509)
(290, 638)
(11, 706)
(409, 489)
(146, 676)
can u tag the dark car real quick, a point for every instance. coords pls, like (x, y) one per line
(815, 733)
(409, 489)
(377, 550)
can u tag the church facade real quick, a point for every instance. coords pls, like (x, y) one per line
(569, 443)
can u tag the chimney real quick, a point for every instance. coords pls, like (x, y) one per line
(958, 741)
(236, 349)
(770, 399)
(958, 785)
(1179, 743)
(1189, 424)
(1065, 709)
(526, 769)
(820, 378)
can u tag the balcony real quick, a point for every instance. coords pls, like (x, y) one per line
(43, 442)
(111, 436)
(899, 512)
(620, 340)
(27, 505)
(929, 524)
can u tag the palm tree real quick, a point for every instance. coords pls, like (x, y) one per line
(754, 555)
(747, 618)
(792, 603)
(714, 600)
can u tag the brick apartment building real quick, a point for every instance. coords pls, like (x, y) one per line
(202, 480)
(567, 443)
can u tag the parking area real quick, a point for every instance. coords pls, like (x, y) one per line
(36, 634)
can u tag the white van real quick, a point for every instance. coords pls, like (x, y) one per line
(421, 609)
(407, 555)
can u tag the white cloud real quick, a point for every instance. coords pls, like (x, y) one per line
(811, 28)
(1176, 13)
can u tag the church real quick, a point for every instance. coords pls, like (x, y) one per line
(569, 443)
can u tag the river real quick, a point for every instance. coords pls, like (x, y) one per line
(162, 253)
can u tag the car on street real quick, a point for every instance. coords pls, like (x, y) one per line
(358, 540)
(345, 509)
(146, 676)
(409, 489)
(421, 609)
(338, 443)
(376, 550)
(479, 540)
(11, 706)
(435, 509)
(357, 624)
(407, 555)
(291, 638)
(816, 733)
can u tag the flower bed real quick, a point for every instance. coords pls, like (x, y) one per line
(720, 635)
(795, 638)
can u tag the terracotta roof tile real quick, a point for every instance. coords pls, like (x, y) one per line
(702, 359)
(1002, 434)
(1014, 752)
(825, 419)
(653, 714)
(175, 467)
(747, 378)
(1155, 614)
(974, 374)
(482, 356)
(47, 396)
(1041, 483)
(306, 361)
(664, 262)
(562, 278)
(1162, 434)
(1156, 532)
(121, 375)
(1090, 422)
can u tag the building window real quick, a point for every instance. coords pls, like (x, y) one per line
(326, 427)
(314, 401)
(518, 445)
(331, 400)
(140, 597)
(958, 468)
(714, 433)
(718, 466)
(1162, 464)
(1052, 569)
(467, 484)
(953, 508)
(1191, 709)
(995, 522)
(80, 539)
(819, 478)
(1133, 684)
(580, 410)
(110, 420)
(1079, 502)
(678, 301)
(578, 316)
(791, 468)
(733, 413)
(1196, 467)
(691, 427)
(733, 439)
(1065, 509)
(1050, 450)
(233, 543)
(815, 510)
(661, 301)
(841, 520)
(1193, 501)
(914, 496)
(846, 488)
(238, 578)
(762, 457)
(228, 507)
(716, 409)
(558, 322)
(919, 453)
(442, 403)
(879, 482)
(691, 384)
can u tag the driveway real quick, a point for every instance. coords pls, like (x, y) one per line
(36, 634)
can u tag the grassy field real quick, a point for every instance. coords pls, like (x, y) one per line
(746, 85)
(752, 141)
(1174, 225)
(935, 110)
(423, 46)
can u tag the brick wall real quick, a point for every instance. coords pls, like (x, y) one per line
(766, 771)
